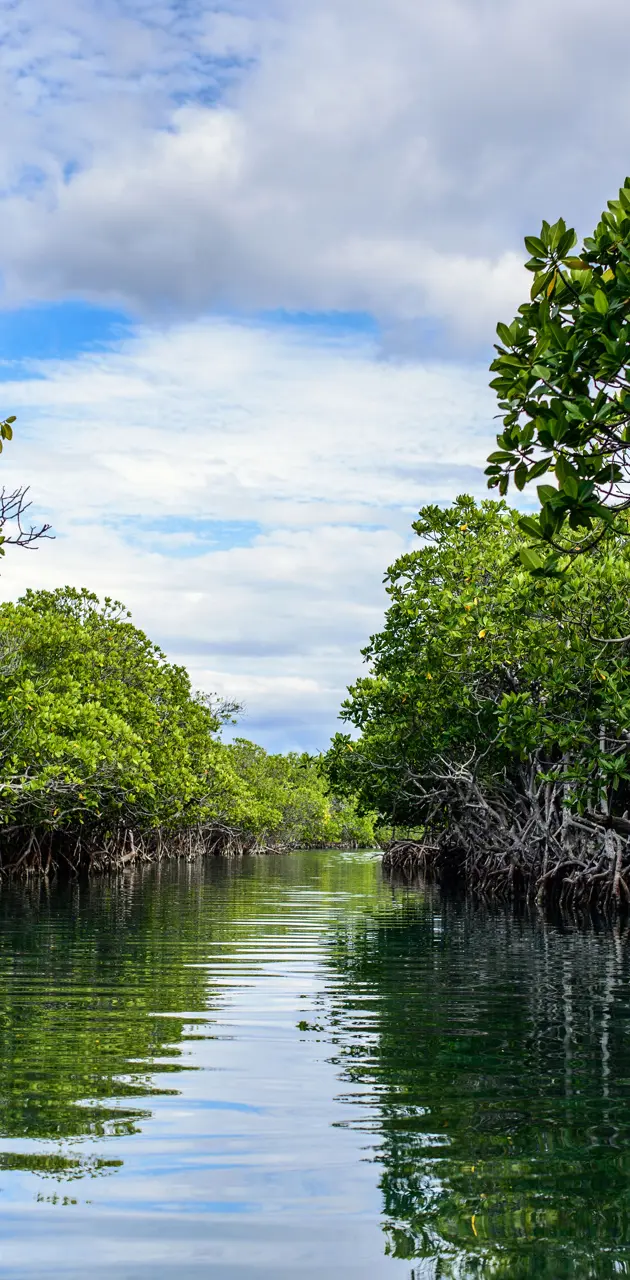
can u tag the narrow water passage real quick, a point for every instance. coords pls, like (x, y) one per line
(290, 1067)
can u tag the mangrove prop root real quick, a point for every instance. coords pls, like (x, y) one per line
(593, 882)
(27, 853)
(527, 846)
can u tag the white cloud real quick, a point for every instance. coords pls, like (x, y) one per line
(308, 444)
(370, 155)
(377, 154)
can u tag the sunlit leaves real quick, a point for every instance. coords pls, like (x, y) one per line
(561, 377)
(513, 637)
(98, 731)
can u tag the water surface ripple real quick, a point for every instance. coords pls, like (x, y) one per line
(291, 1067)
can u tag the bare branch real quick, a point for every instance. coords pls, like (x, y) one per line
(13, 507)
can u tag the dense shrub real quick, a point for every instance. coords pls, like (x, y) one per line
(299, 806)
(496, 711)
(103, 741)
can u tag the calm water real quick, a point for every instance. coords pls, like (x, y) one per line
(291, 1068)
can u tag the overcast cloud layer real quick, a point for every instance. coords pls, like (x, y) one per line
(381, 155)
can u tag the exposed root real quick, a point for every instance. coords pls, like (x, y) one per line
(515, 837)
(29, 853)
(535, 850)
(42, 853)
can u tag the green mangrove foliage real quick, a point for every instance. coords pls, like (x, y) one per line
(300, 808)
(561, 376)
(496, 712)
(106, 752)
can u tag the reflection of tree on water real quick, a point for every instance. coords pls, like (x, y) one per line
(93, 982)
(496, 1053)
(488, 1057)
(96, 980)
(86, 974)
(54, 1165)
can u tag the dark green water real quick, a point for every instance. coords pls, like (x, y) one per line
(290, 1068)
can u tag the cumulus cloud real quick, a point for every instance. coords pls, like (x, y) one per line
(242, 489)
(384, 155)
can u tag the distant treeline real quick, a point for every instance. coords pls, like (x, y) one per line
(107, 756)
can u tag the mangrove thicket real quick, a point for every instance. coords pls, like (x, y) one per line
(107, 754)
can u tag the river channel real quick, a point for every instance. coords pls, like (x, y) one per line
(294, 1067)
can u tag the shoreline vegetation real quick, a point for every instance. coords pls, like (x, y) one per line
(495, 719)
(108, 757)
(493, 725)
(42, 852)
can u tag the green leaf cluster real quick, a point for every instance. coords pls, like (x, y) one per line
(561, 377)
(299, 808)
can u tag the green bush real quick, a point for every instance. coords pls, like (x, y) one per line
(561, 377)
(301, 809)
(495, 697)
(99, 733)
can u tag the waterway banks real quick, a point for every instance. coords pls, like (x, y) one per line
(587, 871)
(38, 853)
(295, 1066)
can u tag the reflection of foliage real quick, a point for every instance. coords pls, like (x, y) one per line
(53, 1165)
(94, 977)
(484, 1054)
(494, 1051)
(85, 975)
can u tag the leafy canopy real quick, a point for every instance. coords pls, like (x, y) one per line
(561, 377)
(98, 730)
(94, 722)
(480, 663)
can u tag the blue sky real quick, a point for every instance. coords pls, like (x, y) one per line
(56, 330)
(251, 263)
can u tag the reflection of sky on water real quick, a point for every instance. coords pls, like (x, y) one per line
(234, 1165)
(290, 1067)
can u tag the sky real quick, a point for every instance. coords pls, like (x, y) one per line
(251, 262)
